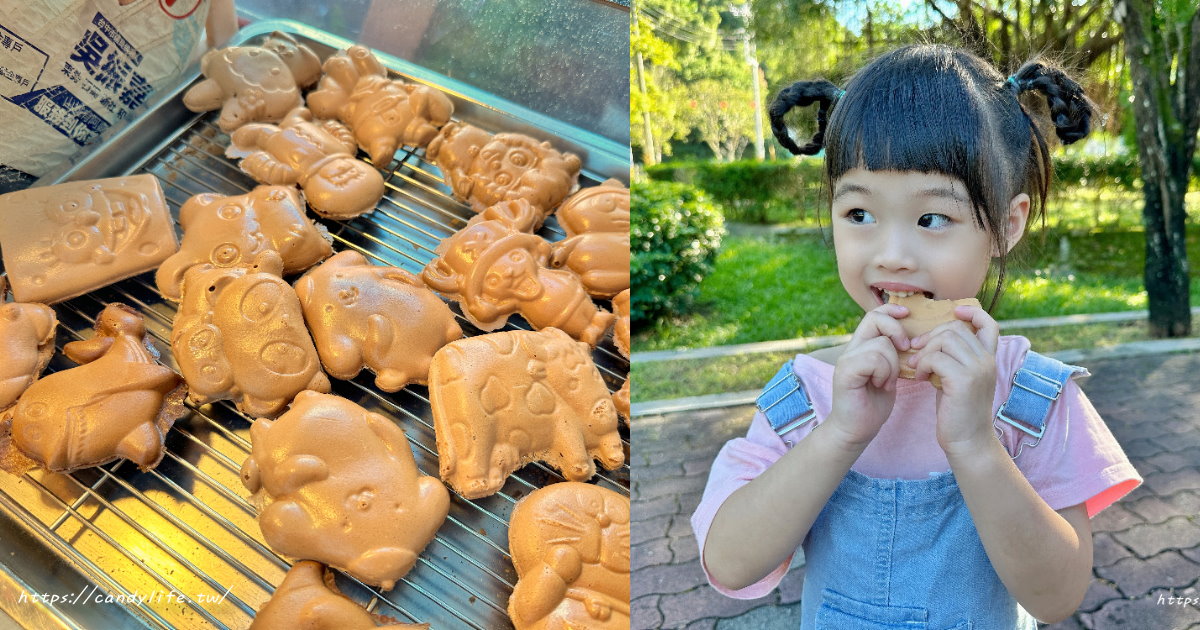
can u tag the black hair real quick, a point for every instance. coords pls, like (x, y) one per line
(933, 108)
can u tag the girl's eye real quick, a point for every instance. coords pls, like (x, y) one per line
(933, 220)
(858, 215)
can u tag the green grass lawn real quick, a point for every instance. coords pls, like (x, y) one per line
(787, 287)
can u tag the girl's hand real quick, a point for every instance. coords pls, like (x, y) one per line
(965, 360)
(864, 379)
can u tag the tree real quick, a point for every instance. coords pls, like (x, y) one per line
(1010, 31)
(723, 116)
(671, 39)
(1162, 43)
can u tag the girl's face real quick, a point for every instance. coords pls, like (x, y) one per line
(908, 231)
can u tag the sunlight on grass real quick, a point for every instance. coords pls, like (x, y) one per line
(786, 286)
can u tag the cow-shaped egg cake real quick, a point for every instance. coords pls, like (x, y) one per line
(239, 335)
(230, 231)
(119, 402)
(383, 318)
(338, 484)
(482, 169)
(384, 113)
(506, 399)
(570, 546)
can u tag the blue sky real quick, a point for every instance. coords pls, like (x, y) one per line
(852, 15)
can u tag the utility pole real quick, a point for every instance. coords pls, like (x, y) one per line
(649, 156)
(751, 55)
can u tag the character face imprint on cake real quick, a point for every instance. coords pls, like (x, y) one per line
(498, 404)
(254, 83)
(239, 335)
(339, 484)
(494, 271)
(94, 227)
(64, 240)
(383, 113)
(482, 169)
(382, 318)
(570, 546)
(229, 231)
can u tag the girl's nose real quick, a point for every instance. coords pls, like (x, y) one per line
(895, 251)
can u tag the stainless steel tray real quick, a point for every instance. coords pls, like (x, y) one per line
(179, 546)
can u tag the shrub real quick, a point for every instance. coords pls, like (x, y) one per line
(751, 191)
(676, 232)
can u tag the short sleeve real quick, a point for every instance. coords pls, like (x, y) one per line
(1077, 460)
(741, 461)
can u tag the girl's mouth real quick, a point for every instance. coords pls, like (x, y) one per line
(884, 295)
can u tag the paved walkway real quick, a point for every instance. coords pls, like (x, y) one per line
(1147, 546)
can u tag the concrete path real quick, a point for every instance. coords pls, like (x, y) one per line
(1147, 547)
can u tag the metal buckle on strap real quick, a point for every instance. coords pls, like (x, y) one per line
(1051, 384)
(770, 392)
(785, 387)
(808, 415)
(1031, 430)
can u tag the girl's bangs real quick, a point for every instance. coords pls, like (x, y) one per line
(894, 121)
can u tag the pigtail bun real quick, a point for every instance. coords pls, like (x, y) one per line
(1070, 110)
(803, 94)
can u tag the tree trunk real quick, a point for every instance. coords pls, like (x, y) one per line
(1166, 275)
(1166, 136)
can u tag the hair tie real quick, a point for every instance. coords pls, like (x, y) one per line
(1012, 78)
(840, 93)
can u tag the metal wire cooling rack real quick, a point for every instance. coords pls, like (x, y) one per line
(179, 546)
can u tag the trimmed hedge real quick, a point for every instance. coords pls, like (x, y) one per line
(778, 190)
(676, 232)
(751, 191)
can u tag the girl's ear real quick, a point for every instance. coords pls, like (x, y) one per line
(1018, 214)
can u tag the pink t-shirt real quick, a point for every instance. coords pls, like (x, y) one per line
(1076, 461)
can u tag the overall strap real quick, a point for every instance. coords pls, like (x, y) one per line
(1036, 385)
(784, 402)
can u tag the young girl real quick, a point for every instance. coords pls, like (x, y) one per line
(964, 507)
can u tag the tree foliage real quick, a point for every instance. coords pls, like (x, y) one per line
(685, 42)
(690, 55)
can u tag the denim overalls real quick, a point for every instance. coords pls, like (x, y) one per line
(895, 553)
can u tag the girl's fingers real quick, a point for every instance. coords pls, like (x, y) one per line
(987, 330)
(881, 322)
(939, 363)
(887, 363)
(873, 362)
(953, 338)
